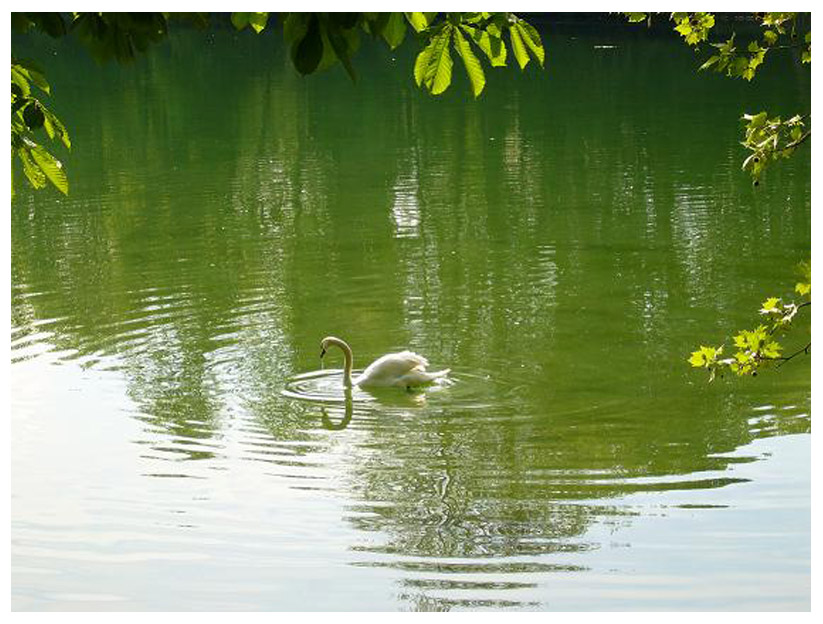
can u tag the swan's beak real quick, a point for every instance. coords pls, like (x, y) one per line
(322, 352)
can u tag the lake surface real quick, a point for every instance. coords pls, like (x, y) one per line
(562, 244)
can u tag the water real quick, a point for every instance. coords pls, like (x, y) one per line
(562, 244)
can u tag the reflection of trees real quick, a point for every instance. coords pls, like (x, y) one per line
(215, 234)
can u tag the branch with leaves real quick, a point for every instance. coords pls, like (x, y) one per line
(316, 41)
(758, 347)
(29, 116)
(769, 139)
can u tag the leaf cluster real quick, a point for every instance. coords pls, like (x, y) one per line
(469, 35)
(771, 139)
(107, 36)
(757, 348)
(28, 116)
(320, 40)
(767, 139)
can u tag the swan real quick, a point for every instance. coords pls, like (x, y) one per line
(404, 369)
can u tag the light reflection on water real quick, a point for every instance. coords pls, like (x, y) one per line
(181, 457)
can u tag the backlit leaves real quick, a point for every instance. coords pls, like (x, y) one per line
(694, 27)
(758, 347)
(467, 33)
(767, 139)
(433, 67)
(474, 69)
(771, 139)
(316, 41)
(257, 21)
(29, 116)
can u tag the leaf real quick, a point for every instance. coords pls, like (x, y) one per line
(306, 54)
(712, 60)
(33, 173)
(54, 127)
(635, 17)
(341, 49)
(473, 67)
(531, 38)
(295, 26)
(518, 47)
(418, 21)
(770, 305)
(772, 350)
(51, 167)
(258, 21)
(491, 45)
(697, 359)
(433, 67)
(20, 77)
(705, 356)
(803, 288)
(395, 30)
(240, 20)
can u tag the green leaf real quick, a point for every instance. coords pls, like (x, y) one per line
(769, 37)
(419, 21)
(473, 67)
(20, 77)
(306, 54)
(395, 30)
(240, 20)
(258, 21)
(518, 47)
(51, 167)
(491, 45)
(712, 60)
(531, 38)
(697, 359)
(635, 17)
(54, 127)
(295, 26)
(433, 67)
(341, 48)
(33, 173)
(772, 350)
(770, 304)
(705, 356)
(803, 288)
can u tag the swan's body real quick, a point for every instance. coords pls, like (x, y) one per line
(404, 369)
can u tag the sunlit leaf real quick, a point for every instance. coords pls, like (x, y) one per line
(519, 48)
(433, 68)
(531, 38)
(418, 21)
(492, 46)
(51, 167)
(473, 67)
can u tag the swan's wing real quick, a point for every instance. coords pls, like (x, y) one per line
(412, 358)
(390, 368)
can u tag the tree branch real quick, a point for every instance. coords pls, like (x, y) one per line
(793, 355)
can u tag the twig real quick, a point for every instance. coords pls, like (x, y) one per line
(795, 354)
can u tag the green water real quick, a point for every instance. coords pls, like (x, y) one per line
(560, 244)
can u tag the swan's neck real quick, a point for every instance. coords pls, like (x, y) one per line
(348, 359)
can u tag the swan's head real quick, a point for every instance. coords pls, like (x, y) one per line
(324, 345)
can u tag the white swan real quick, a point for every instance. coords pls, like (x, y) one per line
(404, 369)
